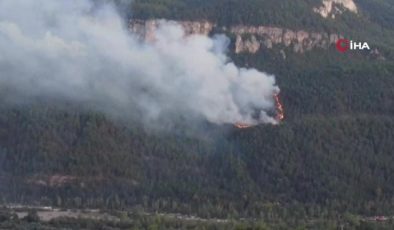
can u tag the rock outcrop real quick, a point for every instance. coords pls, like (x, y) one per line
(248, 39)
(147, 28)
(330, 7)
(251, 38)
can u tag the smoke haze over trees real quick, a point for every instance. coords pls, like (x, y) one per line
(329, 164)
(80, 52)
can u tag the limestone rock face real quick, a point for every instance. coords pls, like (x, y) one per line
(329, 7)
(248, 39)
(300, 41)
(146, 29)
(250, 46)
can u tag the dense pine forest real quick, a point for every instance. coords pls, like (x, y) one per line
(330, 163)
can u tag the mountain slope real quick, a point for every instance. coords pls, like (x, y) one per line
(331, 156)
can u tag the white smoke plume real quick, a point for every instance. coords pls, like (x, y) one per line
(77, 51)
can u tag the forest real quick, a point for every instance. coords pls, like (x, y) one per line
(330, 163)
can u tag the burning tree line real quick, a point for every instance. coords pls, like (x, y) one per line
(279, 109)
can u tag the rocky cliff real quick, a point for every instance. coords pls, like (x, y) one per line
(334, 7)
(249, 39)
(146, 29)
(252, 38)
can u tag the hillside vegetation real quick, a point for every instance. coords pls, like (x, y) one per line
(332, 157)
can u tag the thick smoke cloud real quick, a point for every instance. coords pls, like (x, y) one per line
(76, 51)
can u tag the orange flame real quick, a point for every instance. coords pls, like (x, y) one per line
(242, 125)
(280, 114)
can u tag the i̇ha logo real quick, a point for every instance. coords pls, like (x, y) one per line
(344, 45)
